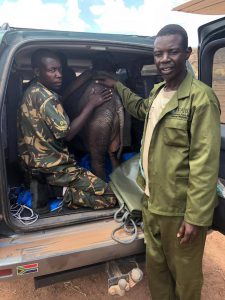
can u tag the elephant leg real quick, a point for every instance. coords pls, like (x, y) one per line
(98, 164)
(99, 140)
(113, 150)
(115, 144)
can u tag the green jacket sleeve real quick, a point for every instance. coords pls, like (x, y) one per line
(203, 161)
(134, 104)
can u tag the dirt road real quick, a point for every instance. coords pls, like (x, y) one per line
(94, 287)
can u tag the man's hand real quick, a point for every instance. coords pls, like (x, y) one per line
(109, 82)
(100, 98)
(95, 100)
(188, 233)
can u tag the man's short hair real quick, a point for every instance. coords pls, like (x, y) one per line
(174, 29)
(38, 55)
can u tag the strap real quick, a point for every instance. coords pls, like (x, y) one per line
(116, 218)
(17, 210)
(127, 223)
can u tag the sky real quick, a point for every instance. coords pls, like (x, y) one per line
(139, 17)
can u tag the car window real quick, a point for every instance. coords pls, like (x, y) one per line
(148, 70)
(218, 79)
(144, 79)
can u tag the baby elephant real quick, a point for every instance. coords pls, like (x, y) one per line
(103, 132)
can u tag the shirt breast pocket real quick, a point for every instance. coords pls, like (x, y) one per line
(176, 133)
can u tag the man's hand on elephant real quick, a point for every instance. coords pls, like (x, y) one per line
(97, 99)
(188, 232)
(109, 82)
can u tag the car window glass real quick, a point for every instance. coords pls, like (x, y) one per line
(148, 70)
(218, 79)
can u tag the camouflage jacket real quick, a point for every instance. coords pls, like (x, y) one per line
(42, 126)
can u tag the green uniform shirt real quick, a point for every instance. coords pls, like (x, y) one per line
(42, 125)
(184, 150)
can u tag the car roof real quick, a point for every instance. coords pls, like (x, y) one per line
(13, 33)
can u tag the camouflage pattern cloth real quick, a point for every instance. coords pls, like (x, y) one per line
(84, 189)
(42, 127)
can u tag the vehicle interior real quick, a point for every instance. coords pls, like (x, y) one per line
(134, 67)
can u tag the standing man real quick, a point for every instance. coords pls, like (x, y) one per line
(179, 168)
(43, 129)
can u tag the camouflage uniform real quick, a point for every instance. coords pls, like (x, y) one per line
(42, 126)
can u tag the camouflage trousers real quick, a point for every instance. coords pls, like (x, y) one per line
(83, 189)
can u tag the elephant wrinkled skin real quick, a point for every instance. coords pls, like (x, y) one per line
(103, 132)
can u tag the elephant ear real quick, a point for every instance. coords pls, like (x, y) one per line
(78, 85)
(103, 75)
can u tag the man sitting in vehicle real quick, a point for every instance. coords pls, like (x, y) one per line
(44, 129)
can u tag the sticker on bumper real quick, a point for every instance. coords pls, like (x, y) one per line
(27, 269)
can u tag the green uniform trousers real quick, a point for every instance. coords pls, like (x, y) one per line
(174, 270)
(84, 189)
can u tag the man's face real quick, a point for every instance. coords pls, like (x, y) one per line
(50, 73)
(170, 57)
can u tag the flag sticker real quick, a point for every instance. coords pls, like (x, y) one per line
(27, 269)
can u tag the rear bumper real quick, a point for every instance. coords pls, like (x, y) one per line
(48, 252)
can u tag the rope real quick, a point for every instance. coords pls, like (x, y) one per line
(125, 221)
(17, 210)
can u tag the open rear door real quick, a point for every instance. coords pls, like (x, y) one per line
(211, 60)
(211, 38)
